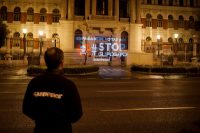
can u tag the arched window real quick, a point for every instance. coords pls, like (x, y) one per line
(30, 43)
(79, 7)
(124, 40)
(148, 48)
(181, 22)
(17, 14)
(170, 40)
(148, 20)
(3, 13)
(149, 2)
(55, 40)
(30, 35)
(30, 14)
(56, 15)
(170, 21)
(180, 44)
(190, 46)
(191, 22)
(78, 39)
(43, 15)
(159, 21)
(148, 38)
(160, 2)
(124, 9)
(16, 40)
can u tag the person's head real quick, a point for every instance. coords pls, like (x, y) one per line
(54, 58)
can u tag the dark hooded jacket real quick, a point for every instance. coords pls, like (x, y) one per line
(53, 102)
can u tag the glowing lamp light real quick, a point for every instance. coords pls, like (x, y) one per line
(24, 31)
(41, 33)
(176, 36)
(158, 37)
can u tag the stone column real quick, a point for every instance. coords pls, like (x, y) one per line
(87, 8)
(110, 7)
(188, 3)
(117, 10)
(198, 3)
(8, 45)
(94, 7)
(138, 4)
(194, 58)
(132, 11)
(63, 9)
(70, 9)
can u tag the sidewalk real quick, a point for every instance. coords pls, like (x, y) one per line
(16, 68)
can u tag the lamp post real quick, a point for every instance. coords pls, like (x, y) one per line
(176, 43)
(41, 33)
(158, 40)
(24, 40)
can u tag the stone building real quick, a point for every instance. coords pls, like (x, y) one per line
(144, 28)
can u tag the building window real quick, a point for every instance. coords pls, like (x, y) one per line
(30, 43)
(160, 2)
(148, 20)
(30, 35)
(56, 15)
(3, 13)
(30, 15)
(170, 21)
(181, 22)
(159, 21)
(191, 22)
(43, 14)
(149, 2)
(181, 3)
(80, 7)
(191, 3)
(102, 7)
(16, 40)
(55, 40)
(170, 2)
(190, 46)
(124, 40)
(180, 44)
(170, 40)
(78, 39)
(124, 9)
(17, 14)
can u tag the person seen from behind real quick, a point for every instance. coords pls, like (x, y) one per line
(52, 100)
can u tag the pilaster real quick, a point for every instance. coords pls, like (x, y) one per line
(133, 10)
(110, 7)
(64, 9)
(87, 8)
(70, 9)
(94, 7)
(117, 9)
(138, 4)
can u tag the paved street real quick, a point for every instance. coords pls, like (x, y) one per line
(116, 106)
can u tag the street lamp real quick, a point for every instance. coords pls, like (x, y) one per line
(24, 40)
(158, 39)
(41, 33)
(176, 43)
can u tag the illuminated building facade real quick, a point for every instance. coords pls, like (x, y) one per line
(146, 28)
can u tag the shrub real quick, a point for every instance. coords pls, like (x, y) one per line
(35, 70)
(166, 69)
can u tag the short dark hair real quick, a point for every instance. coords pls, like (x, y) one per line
(53, 57)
